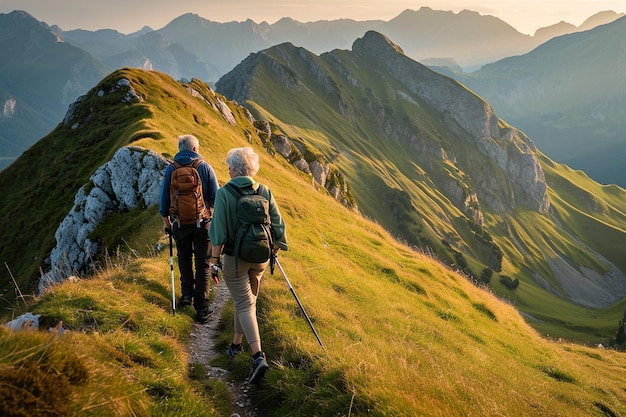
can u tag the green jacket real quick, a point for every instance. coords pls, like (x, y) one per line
(224, 220)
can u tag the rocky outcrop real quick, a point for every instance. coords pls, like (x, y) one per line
(123, 84)
(314, 164)
(215, 102)
(311, 163)
(132, 178)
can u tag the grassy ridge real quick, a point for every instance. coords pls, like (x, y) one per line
(50, 173)
(412, 335)
(403, 334)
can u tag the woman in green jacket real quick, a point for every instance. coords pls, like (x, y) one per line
(241, 277)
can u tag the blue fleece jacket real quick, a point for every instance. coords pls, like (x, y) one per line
(207, 175)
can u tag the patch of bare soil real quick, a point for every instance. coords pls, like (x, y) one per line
(202, 350)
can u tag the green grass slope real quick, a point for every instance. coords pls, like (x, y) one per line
(402, 334)
(42, 183)
(377, 132)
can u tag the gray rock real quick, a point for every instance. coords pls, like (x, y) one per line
(132, 178)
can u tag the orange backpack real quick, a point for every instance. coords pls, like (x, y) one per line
(186, 201)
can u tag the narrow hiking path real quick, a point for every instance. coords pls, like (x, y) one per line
(201, 349)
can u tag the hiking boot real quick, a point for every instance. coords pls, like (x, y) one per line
(203, 314)
(259, 367)
(185, 300)
(234, 350)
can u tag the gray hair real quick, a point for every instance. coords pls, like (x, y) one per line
(244, 161)
(187, 143)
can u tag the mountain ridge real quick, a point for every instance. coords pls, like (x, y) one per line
(489, 171)
(481, 121)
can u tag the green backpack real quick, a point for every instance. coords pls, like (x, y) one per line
(254, 237)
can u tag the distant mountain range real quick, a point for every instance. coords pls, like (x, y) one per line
(469, 38)
(36, 99)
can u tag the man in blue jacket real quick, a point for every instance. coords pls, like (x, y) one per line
(192, 240)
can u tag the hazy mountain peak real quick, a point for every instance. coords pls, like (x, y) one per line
(557, 29)
(143, 31)
(374, 42)
(188, 19)
(14, 23)
(286, 22)
(600, 18)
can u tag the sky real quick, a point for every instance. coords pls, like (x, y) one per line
(128, 16)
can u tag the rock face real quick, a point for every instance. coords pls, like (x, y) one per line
(512, 151)
(132, 178)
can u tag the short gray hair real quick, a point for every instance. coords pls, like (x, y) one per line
(188, 142)
(244, 161)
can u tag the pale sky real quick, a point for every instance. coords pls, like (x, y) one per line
(127, 16)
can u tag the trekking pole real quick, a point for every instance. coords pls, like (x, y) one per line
(172, 273)
(275, 259)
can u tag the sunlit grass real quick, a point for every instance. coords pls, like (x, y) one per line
(120, 329)
(402, 334)
(378, 142)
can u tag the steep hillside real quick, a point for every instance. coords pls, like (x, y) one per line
(40, 76)
(433, 164)
(568, 96)
(403, 334)
(78, 176)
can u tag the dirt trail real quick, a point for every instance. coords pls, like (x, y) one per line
(202, 350)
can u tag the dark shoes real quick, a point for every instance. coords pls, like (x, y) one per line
(234, 350)
(259, 363)
(185, 300)
(259, 367)
(203, 314)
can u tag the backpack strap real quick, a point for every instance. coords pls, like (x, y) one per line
(229, 246)
(194, 164)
